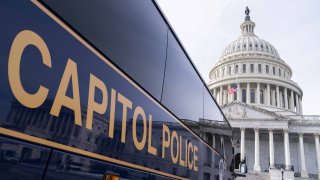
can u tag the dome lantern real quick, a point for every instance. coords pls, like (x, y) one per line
(247, 27)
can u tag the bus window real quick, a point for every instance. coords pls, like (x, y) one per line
(182, 89)
(131, 33)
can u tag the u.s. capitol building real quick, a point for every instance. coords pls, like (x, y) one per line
(270, 131)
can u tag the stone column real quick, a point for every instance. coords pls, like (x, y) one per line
(291, 101)
(287, 149)
(229, 95)
(214, 147)
(316, 138)
(242, 144)
(268, 95)
(285, 98)
(278, 96)
(238, 93)
(300, 105)
(223, 149)
(248, 93)
(304, 172)
(220, 96)
(271, 148)
(273, 97)
(225, 97)
(258, 93)
(297, 103)
(214, 141)
(256, 166)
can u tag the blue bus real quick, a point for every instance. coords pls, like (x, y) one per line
(103, 90)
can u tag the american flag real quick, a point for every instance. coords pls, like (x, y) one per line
(232, 90)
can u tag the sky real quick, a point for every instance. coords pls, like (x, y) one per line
(206, 27)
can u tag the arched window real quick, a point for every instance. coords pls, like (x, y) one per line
(229, 70)
(279, 72)
(223, 71)
(267, 69)
(261, 97)
(218, 74)
(244, 95)
(252, 95)
(274, 70)
(283, 100)
(236, 69)
(244, 68)
(251, 68)
(259, 68)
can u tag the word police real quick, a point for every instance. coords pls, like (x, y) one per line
(182, 151)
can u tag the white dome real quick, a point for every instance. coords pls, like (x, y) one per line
(253, 68)
(250, 43)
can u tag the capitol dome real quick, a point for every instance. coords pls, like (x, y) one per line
(253, 68)
(250, 42)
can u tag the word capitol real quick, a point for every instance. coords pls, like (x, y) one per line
(70, 76)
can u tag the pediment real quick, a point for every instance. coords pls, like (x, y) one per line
(237, 110)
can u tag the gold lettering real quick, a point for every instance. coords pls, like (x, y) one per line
(151, 150)
(186, 154)
(190, 148)
(139, 111)
(165, 143)
(112, 113)
(92, 105)
(195, 157)
(174, 136)
(70, 73)
(20, 42)
(126, 103)
(181, 161)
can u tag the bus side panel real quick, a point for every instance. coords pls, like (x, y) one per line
(69, 166)
(19, 160)
(54, 122)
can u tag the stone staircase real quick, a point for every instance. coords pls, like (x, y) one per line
(266, 176)
(255, 176)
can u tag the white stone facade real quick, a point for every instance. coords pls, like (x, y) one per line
(266, 110)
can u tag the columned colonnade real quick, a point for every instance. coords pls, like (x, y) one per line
(260, 93)
(287, 162)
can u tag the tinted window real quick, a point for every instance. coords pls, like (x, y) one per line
(182, 91)
(211, 110)
(131, 33)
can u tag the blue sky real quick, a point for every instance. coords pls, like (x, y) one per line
(206, 27)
